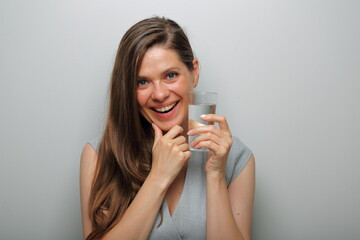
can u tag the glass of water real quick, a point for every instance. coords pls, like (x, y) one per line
(200, 103)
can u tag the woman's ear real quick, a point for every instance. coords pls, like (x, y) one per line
(196, 72)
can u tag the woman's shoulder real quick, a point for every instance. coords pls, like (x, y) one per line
(88, 163)
(89, 154)
(95, 143)
(238, 157)
(238, 147)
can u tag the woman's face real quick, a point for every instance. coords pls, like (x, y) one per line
(163, 87)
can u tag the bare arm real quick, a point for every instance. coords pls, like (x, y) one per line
(139, 218)
(147, 202)
(87, 173)
(229, 210)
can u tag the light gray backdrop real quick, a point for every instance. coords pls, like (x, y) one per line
(287, 73)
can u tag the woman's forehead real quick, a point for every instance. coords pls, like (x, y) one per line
(158, 59)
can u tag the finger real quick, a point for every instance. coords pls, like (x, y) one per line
(208, 144)
(187, 155)
(207, 137)
(157, 132)
(183, 147)
(180, 140)
(174, 132)
(220, 119)
(206, 129)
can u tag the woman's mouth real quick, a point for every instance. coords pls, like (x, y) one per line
(165, 109)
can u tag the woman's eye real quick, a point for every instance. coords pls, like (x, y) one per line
(171, 75)
(142, 82)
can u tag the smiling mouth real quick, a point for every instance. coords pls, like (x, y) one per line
(165, 109)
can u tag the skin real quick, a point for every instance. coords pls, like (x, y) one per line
(229, 208)
(164, 80)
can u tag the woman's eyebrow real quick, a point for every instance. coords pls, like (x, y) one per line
(141, 78)
(170, 69)
(167, 70)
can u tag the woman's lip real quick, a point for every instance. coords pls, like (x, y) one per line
(164, 105)
(156, 109)
(167, 115)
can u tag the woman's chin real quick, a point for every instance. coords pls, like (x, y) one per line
(166, 127)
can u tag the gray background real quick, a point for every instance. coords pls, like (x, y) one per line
(287, 73)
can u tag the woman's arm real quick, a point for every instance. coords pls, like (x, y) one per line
(139, 218)
(141, 214)
(87, 173)
(228, 210)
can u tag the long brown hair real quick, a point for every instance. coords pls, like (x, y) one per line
(125, 152)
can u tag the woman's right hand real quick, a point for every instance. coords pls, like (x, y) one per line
(170, 153)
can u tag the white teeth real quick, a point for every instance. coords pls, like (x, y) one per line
(164, 109)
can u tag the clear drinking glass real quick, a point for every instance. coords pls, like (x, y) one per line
(200, 103)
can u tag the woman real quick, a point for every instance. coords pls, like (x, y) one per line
(140, 181)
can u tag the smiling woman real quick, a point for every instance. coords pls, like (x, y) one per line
(165, 85)
(140, 180)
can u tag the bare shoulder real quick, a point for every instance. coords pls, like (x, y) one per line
(87, 173)
(250, 166)
(88, 158)
(87, 165)
(87, 169)
(246, 179)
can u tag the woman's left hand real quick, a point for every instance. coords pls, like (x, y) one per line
(218, 141)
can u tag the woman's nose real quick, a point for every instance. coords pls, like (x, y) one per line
(160, 92)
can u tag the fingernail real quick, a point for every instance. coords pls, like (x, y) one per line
(203, 116)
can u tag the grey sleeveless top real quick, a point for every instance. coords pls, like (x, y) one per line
(189, 218)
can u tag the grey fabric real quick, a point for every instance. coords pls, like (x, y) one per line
(189, 218)
(95, 143)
